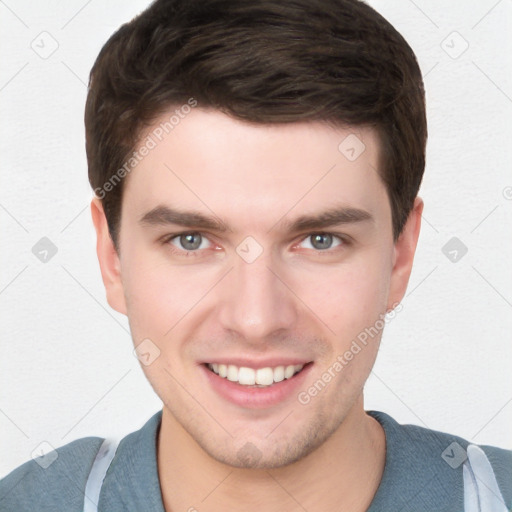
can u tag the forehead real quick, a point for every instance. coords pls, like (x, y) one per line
(254, 174)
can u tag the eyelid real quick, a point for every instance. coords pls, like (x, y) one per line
(345, 239)
(167, 239)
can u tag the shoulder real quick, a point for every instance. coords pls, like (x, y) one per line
(438, 469)
(58, 480)
(488, 473)
(55, 481)
(454, 451)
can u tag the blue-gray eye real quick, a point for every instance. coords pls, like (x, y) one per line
(190, 241)
(322, 241)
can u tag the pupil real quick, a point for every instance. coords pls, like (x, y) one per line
(187, 241)
(321, 241)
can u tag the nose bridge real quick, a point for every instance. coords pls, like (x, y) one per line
(255, 302)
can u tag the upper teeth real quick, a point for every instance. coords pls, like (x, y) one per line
(250, 377)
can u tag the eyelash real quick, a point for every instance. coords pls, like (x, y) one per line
(345, 241)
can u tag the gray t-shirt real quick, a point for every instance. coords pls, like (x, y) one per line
(425, 471)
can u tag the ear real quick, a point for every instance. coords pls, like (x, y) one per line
(108, 258)
(403, 257)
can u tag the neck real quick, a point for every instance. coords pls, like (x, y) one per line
(342, 474)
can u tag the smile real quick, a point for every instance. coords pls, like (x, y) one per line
(261, 377)
(256, 385)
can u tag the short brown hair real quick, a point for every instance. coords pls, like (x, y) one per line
(263, 61)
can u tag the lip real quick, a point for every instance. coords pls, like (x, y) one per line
(254, 397)
(257, 364)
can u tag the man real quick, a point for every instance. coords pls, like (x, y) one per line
(256, 168)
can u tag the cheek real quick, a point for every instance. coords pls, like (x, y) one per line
(348, 298)
(156, 295)
(351, 297)
(163, 299)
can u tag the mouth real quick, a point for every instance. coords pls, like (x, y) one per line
(258, 378)
(260, 387)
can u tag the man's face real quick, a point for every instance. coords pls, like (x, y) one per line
(258, 294)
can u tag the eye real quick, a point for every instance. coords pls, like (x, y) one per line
(322, 241)
(189, 241)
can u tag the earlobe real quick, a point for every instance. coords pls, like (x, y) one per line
(404, 250)
(108, 259)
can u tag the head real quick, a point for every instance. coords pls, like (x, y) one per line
(292, 134)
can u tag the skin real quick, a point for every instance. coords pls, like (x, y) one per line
(294, 299)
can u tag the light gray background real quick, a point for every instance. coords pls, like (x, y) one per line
(67, 368)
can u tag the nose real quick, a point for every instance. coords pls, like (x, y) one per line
(256, 301)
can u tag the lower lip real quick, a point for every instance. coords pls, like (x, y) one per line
(254, 397)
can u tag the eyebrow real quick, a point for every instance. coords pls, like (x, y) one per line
(163, 215)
